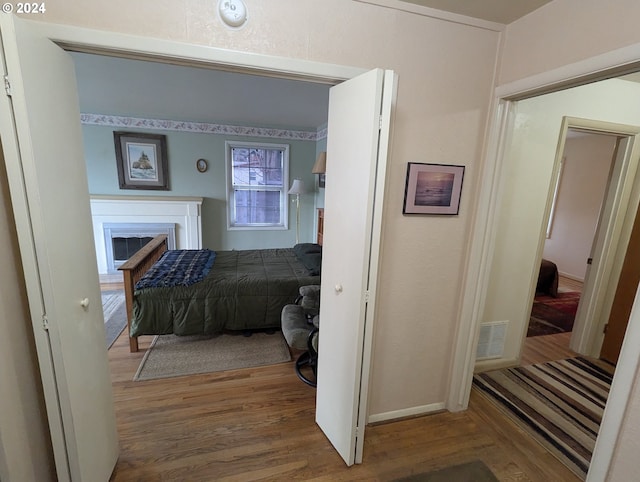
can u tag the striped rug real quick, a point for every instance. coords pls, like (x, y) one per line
(559, 403)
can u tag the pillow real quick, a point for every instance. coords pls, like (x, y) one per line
(310, 255)
(313, 262)
(305, 248)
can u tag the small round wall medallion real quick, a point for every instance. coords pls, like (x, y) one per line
(202, 165)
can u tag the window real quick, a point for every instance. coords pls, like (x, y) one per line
(257, 176)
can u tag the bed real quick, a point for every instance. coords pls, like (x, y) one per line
(238, 290)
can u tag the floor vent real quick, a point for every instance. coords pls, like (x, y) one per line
(491, 342)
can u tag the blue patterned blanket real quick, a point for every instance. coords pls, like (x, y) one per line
(178, 267)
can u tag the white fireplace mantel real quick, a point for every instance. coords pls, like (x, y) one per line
(184, 212)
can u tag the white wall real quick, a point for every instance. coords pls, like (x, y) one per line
(567, 31)
(527, 188)
(445, 73)
(624, 466)
(583, 182)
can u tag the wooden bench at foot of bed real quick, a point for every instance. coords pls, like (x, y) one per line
(134, 269)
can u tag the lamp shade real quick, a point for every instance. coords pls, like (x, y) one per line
(320, 167)
(297, 187)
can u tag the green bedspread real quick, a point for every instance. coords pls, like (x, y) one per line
(244, 290)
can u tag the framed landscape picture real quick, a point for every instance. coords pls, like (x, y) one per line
(141, 160)
(432, 189)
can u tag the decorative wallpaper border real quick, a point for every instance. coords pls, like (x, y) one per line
(200, 127)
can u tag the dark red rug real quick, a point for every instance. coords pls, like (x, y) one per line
(551, 315)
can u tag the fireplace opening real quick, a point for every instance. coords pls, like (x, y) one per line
(123, 240)
(124, 248)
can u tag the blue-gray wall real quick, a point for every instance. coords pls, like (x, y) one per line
(184, 148)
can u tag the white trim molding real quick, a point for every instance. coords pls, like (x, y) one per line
(396, 415)
(618, 62)
(437, 14)
(116, 121)
(81, 39)
(184, 213)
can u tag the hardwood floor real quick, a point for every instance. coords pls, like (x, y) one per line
(258, 424)
(538, 349)
(111, 286)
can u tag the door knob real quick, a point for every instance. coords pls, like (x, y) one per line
(84, 303)
(338, 288)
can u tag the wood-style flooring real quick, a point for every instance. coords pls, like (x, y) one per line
(540, 349)
(258, 424)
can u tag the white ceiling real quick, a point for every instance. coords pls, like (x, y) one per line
(501, 11)
(116, 86)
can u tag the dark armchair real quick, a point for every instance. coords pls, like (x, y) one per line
(300, 325)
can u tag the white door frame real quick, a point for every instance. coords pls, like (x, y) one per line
(610, 64)
(616, 219)
(109, 43)
(145, 48)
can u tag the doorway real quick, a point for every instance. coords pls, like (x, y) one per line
(534, 143)
(514, 197)
(532, 161)
(578, 196)
(369, 165)
(155, 49)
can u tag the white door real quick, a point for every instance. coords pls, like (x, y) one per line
(42, 142)
(358, 132)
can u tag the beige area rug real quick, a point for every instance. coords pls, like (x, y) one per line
(174, 356)
(115, 315)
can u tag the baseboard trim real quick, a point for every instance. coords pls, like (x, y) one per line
(570, 276)
(111, 278)
(497, 364)
(406, 413)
